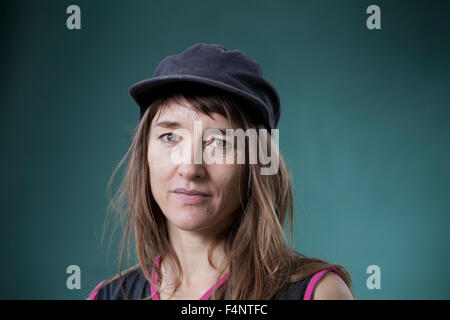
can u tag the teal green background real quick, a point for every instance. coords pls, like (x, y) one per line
(364, 129)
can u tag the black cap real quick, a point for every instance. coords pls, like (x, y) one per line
(214, 66)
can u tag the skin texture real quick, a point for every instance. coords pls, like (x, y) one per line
(192, 227)
(331, 287)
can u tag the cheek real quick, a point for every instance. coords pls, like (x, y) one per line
(160, 166)
(231, 182)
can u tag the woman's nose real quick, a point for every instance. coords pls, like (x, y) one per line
(191, 171)
(194, 167)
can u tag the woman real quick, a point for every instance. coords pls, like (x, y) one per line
(210, 230)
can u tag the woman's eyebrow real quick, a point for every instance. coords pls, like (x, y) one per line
(168, 124)
(174, 124)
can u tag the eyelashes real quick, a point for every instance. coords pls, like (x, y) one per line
(171, 138)
(223, 144)
(162, 137)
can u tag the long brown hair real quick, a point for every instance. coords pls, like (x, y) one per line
(260, 260)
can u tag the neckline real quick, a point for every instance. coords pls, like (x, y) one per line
(205, 296)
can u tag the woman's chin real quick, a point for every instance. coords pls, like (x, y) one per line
(189, 221)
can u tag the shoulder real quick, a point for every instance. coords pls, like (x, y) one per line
(293, 290)
(133, 282)
(328, 285)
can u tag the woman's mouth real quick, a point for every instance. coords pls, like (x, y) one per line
(191, 198)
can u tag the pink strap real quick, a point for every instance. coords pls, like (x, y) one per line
(314, 280)
(94, 292)
(210, 291)
(203, 297)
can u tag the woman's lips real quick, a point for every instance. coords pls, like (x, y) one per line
(191, 198)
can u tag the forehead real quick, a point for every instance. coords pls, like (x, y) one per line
(186, 113)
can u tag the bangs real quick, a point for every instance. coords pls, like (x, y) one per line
(205, 99)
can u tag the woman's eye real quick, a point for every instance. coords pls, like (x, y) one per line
(169, 137)
(220, 143)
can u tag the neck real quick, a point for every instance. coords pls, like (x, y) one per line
(191, 249)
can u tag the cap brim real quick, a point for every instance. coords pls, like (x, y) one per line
(146, 91)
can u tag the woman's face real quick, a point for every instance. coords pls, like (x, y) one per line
(212, 211)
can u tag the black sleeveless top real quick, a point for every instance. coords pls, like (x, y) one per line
(137, 287)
